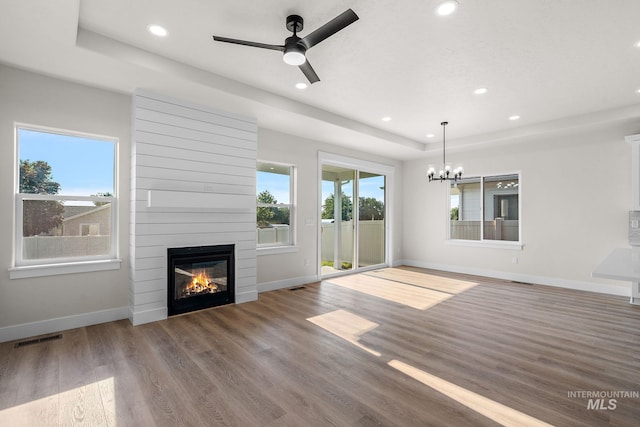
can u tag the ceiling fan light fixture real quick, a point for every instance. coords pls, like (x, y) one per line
(294, 55)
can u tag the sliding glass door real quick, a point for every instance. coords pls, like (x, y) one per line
(353, 231)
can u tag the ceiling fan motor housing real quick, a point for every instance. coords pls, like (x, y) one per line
(294, 51)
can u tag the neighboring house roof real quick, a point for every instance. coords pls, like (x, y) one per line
(74, 212)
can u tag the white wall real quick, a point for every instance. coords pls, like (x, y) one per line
(35, 99)
(576, 194)
(294, 268)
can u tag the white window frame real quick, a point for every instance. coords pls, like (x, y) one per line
(23, 268)
(268, 248)
(499, 244)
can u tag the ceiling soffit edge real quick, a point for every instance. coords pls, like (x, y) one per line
(590, 122)
(115, 49)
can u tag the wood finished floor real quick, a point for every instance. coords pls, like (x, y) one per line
(522, 347)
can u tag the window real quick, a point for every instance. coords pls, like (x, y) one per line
(485, 208)
(65, 198)
(274, 213)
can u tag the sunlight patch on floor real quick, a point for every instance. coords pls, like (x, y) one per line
(496, 411)
(90, 404)
(346, 325)
(412, 296)
(424, 280)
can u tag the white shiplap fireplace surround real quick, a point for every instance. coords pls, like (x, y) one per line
(193, 184)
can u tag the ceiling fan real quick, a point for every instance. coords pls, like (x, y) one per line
(294, 47)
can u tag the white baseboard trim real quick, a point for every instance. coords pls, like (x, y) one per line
(601, 288)
(26, 330)
(246, 297)
(148, 316)
(397, 263)
(286, 283)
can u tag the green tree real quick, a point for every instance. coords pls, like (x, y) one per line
(280, 216)
(39, 216)
(328, 208)
(371, 208)
(455, 213)
(265, 214)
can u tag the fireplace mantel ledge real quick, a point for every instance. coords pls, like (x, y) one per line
(166, 199)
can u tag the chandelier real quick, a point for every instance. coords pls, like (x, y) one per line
(446, 174)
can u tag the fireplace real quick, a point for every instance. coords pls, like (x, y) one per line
(200, 277)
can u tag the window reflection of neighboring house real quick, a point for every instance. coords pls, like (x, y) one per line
(87, 220)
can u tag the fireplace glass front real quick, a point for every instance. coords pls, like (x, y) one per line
(200, 277)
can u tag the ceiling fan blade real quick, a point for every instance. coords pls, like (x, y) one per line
(252, 44)
(346, 18)
(309, 72)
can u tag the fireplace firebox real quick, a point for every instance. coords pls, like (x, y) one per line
(200, 277)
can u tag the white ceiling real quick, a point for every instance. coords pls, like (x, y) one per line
(549, 61)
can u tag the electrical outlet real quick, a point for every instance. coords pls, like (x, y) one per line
(514, 260)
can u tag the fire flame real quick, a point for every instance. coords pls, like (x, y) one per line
(201, 283)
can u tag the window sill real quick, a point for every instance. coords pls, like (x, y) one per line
(496, 244)
(272, 250)
(27, 271)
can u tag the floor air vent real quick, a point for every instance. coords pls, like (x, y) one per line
(38, 340)
(296, 288)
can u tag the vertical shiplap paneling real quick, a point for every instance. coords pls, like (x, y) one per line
(190, 149)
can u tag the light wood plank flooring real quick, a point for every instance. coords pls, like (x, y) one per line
(439, 349)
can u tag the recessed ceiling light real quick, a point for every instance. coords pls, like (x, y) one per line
(514, 118)
(157, 30)
(446, 8)
(430, 135)
(480, 91)
(301, 85)
(638, 44)
(386, 119)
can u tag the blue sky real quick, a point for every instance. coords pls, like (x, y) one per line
(277, 184)
(82, 166)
